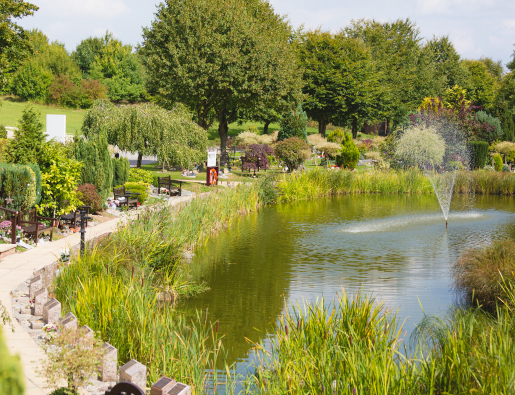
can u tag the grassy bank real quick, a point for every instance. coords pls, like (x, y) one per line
(321, 182)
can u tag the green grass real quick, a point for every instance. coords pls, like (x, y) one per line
(11, 110)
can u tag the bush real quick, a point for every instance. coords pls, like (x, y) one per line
(498, 162)
(98, 167)
(87, 194)
(65, 92)
(17, 182)
(292, 152)
(506, 168)
(37, 174)
(478, 154)
(138, 187)
(3, 132)
(64, 391)
(491, 129)
(294, 124)
(121, 169)
(140, 175)
(3, 147)
(349, 156)
(31, 82)
(12, 381)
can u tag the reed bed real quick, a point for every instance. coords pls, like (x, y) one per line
(321, 182)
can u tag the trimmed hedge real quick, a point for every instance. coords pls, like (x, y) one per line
(120, 171)
(479, 154)
(18, 182)
(138, 187)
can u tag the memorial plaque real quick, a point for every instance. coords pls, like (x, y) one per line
(87, 331)
(35, 285)
(40, 298)
(180, 389)
(162, 386)
(134, 372)
(69, 321)
(109, 363)
(52, 311)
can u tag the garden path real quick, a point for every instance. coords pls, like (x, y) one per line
(16, 269)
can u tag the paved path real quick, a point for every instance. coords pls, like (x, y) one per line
(16, 269)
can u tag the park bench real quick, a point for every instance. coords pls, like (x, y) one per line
(10, 215)
(73, 218)
(33, 226)
(129, 198)
(170, 185)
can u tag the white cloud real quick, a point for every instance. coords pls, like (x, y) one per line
(88, 8)
(433, 6)
(508, 24)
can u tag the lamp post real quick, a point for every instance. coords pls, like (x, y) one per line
(83, 220)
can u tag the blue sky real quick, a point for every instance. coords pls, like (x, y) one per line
(476, 27)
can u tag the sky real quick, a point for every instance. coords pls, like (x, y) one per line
(476, 27)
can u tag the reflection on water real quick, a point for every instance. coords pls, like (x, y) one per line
(396, 247)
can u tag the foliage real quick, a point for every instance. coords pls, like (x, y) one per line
(14, 40)
(479, 154)
(3, 132)
(294, 124)
(19, 183)
(422, 147)
(140, 175)
(292, 152)
(268, 193)
(455, 98)
(29, 140)
(331, 149)
(349, 155)
(87, 50)
(3, 147)
(257, 154)
(12, 380)
(138, 187)
(98, 168)
(31, 82)
(60, 178)
(497, 162)
(63, 391)
(482, 83)
(505, 148)
(64, 92)
(494, 131)
(447, 61)
(87, 194)
(336, 136)
(72, 357)
(238, 57)
(505, 115)
(121, 168)
(248, 138)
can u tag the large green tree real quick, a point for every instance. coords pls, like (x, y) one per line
(218, 57)
(481, 88)
(14, 40)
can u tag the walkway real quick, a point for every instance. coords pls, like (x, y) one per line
(16, 269)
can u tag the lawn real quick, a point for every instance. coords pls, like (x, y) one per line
(11, 110)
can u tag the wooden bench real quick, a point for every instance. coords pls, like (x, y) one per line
(166, 182)
(129, 198)
(33, 226)
(73, 218)
(10, 215)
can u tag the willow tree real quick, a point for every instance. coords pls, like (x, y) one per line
(147, 129)
(219, 57)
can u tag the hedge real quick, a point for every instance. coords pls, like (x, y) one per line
(120, 171)
(18, 182)
(479, 154)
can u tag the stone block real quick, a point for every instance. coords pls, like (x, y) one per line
(69, 321)
(52, 311)
(162, 386)
(180, 389)
(134, 372)
(36, 324)
(50, 273)
(40, 298)
(24, 310)
(35, 285)
(23, 300)
(109, 363)
(87, 331)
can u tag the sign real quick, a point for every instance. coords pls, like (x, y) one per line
(56, 127)
(211, 158)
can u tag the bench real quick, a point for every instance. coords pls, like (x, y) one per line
(129, 198)
(33, 226)
(166, 182)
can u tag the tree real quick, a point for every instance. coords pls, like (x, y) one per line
(349, 154)
(292, 152)
(294, 124)
(88, 49)
(422, 147)
(14, 40)
(219, 57)
(29, 140)
(482, 83)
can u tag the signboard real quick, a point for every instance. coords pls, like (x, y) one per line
(56, 127)
(211, 158)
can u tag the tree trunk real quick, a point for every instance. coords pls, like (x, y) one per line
(355, 128)
(140, 157)
(265, 128)
(223, 131)
(322, 124)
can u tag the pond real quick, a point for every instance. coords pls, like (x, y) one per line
(394, 247)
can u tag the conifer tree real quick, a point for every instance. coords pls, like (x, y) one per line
(29, 140)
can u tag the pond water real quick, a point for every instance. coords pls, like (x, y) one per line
(394, 247)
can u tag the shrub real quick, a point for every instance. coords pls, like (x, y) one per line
(140, 175)
(31, 82)
(294, 124)
(12, 381)
(121, 169)
(421, 146)
(491, 129)
(292, 152)
(349, 155)
(506, 168)
(478, 153)
(498, 162)
(3, 132)
(248, 138)
(17, 182)
(255, 153)
(336, 136)
(480, 273)
(37, 175)
(65, 92)
(138, 187)
(3, 147)
(87, 194)
(98, 167)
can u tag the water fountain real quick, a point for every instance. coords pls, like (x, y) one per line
(439, 148)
